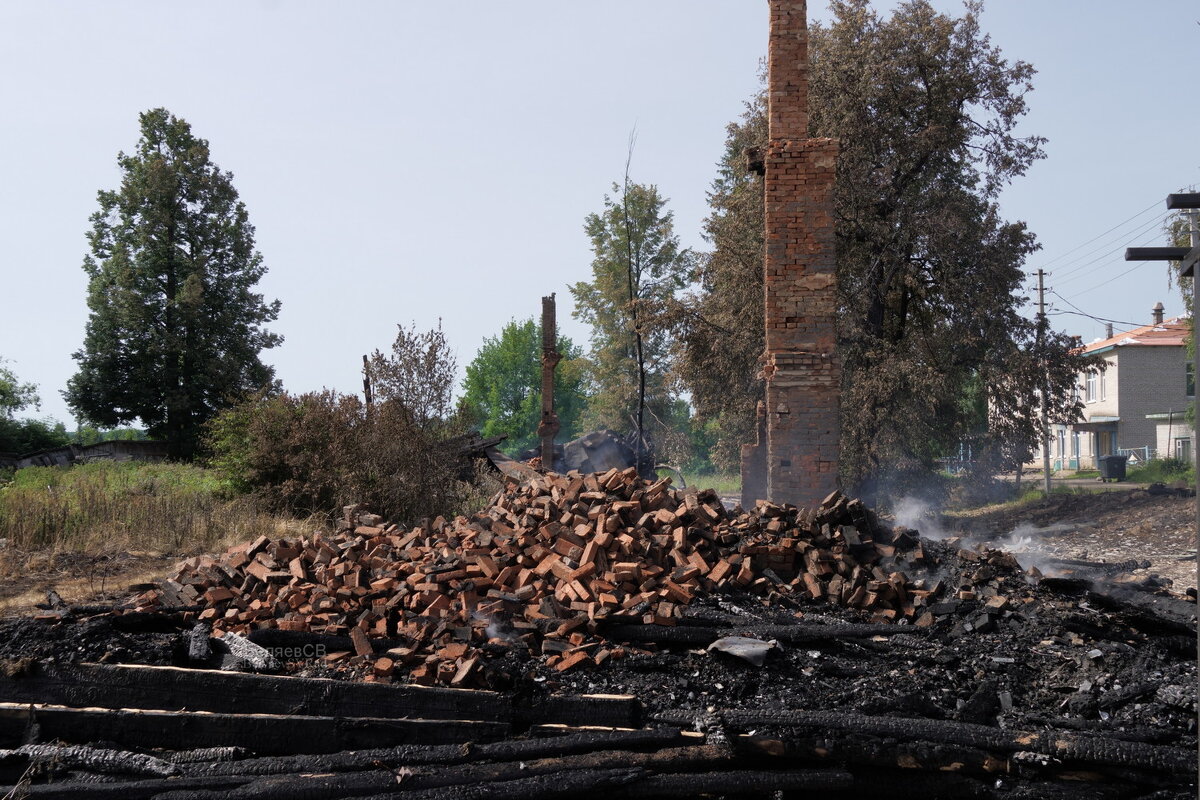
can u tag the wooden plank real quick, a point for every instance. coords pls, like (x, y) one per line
(604, 710)
(261, 733)
(174, 688)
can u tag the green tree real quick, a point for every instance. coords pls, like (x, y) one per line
(21, 436)
(930, 276)
(316, 452)
(14, 395)
(721, 325)
(418, 374)
(637, 266)
(502, 389)
(176, 328)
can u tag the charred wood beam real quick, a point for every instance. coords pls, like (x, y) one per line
(1069, 747)
(93, 759)
(584, 783)
(736, 782)
(1153, 614)
(665, 760)
(791, 634)
(171, 688)
(124, 790)
(176, 730)
(611, 711)
(207, 755)
(868, 751)
(415, 755)
(543, 774)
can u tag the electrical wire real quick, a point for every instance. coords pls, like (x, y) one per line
(1074, 273)
(1099, 235)
(1079, 311)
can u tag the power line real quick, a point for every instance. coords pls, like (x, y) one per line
(1110, 280)
(1110, 250)
(1083, 313)
(1097, 236)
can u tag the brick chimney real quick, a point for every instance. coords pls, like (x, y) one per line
(1158, 313)
(801, 367)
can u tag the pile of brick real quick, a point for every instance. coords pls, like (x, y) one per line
(544, 567)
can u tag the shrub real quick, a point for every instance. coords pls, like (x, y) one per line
(316, 452)
(313, 453)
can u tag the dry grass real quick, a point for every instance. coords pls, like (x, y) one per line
(91, 530)
(110, 506)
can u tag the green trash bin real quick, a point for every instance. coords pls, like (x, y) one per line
(1112, 468)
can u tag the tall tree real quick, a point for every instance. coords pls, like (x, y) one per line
(502, 389)
(637, 266)
(721, 325)
(930, 276)
(176, 328)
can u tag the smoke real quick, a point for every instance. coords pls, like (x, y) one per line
(913, 512)
(496, 628)
(1026, 544)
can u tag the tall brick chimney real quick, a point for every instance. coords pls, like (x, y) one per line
(802, 371)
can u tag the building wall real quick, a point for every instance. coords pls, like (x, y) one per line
(1152, 381)
(1139, 381)
(1168, 434)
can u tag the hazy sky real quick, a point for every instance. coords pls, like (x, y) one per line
(408, 161)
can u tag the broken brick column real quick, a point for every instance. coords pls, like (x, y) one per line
(801, 367)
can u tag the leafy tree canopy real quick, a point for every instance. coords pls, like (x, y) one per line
(418, 374)
(14, 395)
(175, 328)
(502, 389)
(637, 266)
(930, 277)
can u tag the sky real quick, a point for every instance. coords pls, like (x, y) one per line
(410, 162)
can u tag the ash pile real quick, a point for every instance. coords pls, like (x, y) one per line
(618, 635)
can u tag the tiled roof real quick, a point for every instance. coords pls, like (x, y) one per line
(1172, 332)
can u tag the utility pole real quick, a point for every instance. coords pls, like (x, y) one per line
(368, 396)
(548, 426)
(1041, 343)
(1189, 259)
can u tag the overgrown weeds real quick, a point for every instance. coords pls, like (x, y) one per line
(1163, 470)
(107, 506)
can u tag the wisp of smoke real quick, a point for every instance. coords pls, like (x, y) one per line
(915, 513)
(1025, 543)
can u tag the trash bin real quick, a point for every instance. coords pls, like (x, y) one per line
(1112, 468)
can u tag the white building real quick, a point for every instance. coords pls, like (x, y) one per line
(1138, 405)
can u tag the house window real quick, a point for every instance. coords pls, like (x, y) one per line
(1091, 387)
(1189, 372)
(1103, 385)
(1183, 450)
(1062, 443)
(1075, 444)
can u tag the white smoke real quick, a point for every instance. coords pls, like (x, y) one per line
(1026, 543)
(915, 513)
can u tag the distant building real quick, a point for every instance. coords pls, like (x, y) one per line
(1138, 405)
(116, 450)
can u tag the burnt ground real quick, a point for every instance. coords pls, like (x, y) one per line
(1069, 655)
(1110, 526)
(26, 577)
(1102, 654)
